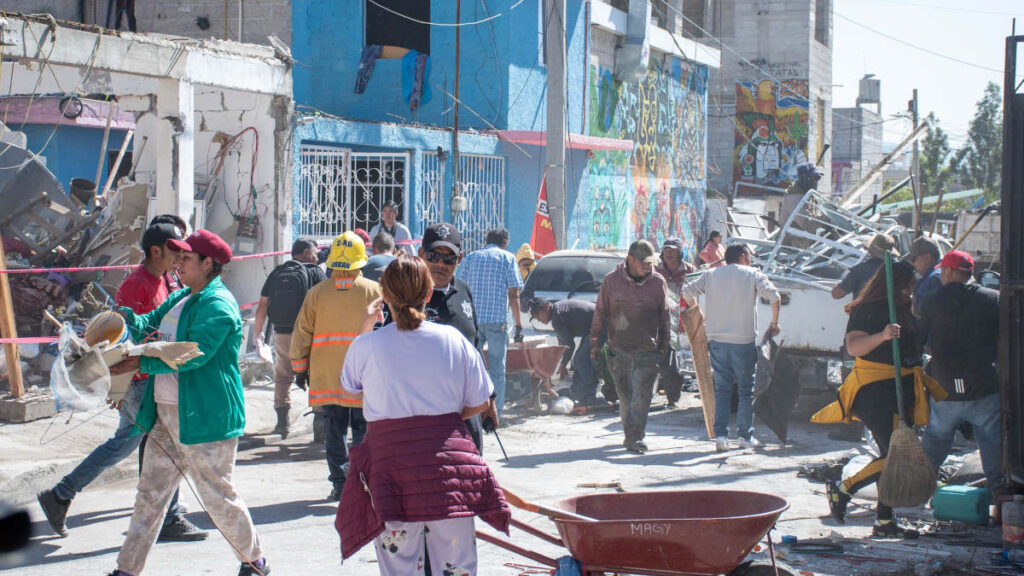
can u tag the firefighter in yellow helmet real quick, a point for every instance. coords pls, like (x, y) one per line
(328, 322)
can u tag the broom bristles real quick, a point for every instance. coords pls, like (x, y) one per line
(908, 479)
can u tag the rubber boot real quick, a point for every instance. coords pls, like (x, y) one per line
(282, 422)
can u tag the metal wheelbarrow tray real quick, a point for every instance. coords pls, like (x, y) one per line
(664, 533)
(670, 532)
(541, 362)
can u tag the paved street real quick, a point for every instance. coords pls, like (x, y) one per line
(285, 485)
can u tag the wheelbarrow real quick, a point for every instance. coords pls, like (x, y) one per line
(661, 533)
(541, 363)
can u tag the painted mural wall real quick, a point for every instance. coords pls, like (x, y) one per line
(657, 191)
(770, 131)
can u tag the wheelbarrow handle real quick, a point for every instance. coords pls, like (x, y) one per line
(545, 510)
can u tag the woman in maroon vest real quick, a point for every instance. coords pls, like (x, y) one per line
(418, 479)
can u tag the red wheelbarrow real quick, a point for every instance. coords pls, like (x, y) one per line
(541, 362)
(664, 533)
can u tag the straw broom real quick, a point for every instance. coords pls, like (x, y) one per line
(908, 478)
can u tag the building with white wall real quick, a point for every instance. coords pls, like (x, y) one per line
(212, 124)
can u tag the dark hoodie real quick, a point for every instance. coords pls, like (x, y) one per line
(635, 314)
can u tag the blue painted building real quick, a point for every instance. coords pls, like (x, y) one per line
(70, 142)
(375, 97)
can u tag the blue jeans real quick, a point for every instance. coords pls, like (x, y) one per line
(733, 363)
(108, 454)
(983, 415)
(496, 337)
(337, 420)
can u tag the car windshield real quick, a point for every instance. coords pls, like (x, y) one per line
(563, 274)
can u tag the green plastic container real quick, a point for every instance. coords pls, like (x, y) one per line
(962, 504)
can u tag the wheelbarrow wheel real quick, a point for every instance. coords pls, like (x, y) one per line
(762, 568)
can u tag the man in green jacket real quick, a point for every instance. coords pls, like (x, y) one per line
(193, 408)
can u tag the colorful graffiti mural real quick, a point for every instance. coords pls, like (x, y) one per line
(771, 131)
(658, 190)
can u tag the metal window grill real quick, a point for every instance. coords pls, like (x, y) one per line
(341, 190)
(377, 178)
(432, 192)
(482, 182)
(322, 206)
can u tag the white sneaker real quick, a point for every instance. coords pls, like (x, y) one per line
(750, 442)
(722, 444)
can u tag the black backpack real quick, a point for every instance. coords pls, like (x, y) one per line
(289, 283)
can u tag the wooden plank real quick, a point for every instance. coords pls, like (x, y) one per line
(693, 323)
(9, 329)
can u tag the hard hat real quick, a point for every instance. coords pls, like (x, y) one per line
(347, 252)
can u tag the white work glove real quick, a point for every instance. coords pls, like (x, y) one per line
(174, 354)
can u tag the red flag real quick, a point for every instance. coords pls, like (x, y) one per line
(542, 240)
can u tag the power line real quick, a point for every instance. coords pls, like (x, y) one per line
(916, 47)
(445, 24)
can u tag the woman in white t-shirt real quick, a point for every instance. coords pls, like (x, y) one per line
(417, 480)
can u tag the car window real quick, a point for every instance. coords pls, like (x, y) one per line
(555, 274)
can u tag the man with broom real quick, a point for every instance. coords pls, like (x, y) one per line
(870, 395)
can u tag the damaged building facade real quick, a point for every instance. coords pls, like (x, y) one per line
(382, 103)
(201, 129)
(376, 107)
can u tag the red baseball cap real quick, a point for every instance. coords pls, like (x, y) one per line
(958, 260)
(204, 243)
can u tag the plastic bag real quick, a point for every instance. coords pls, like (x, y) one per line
(79, 378)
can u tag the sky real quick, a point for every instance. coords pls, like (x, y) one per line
(974, 32)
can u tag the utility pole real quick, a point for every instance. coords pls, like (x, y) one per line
(918, 192)
(555, 148)
(457, 203)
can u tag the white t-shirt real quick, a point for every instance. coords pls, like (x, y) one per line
(165, 386)
(429, 371)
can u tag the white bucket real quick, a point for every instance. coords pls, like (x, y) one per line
(110, 327)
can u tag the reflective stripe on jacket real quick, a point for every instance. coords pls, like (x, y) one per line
(328, 322)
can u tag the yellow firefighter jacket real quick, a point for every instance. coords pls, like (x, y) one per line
(328, 322)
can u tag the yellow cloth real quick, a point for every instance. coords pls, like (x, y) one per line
(329, 320)
(525, 252)
(866, 372)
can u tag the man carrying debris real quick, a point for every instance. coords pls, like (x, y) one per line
(281, 299)
(857, 277)
(193, 408)
(674, 270)
(492, 276)
(730, 310)
(572, 319)
(633, 305)
(389, 223)
(328, 322)
(963, 321)
(142, 291)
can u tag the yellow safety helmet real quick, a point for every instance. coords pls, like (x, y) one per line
(347, 252)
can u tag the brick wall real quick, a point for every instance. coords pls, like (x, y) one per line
(180, 17)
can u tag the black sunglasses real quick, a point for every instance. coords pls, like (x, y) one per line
(435, 257)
